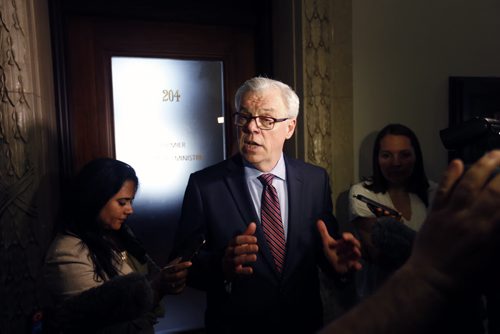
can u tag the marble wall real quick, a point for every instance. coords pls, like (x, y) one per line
(327, 108)
(28, 158)
(327, 73)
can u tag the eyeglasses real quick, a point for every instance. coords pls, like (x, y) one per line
(263, 122)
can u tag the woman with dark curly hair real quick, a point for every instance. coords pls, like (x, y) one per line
(100, 276)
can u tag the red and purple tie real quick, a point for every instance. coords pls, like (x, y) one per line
(270, 217)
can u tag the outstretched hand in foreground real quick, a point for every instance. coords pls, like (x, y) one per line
(452, 255)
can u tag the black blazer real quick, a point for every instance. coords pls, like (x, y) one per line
(217, 203)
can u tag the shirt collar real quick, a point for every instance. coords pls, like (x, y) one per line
(279, 170)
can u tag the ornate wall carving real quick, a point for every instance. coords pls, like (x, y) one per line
(25, 228)
(317, 82)
(327, 73)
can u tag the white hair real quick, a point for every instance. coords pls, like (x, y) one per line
(290, 98)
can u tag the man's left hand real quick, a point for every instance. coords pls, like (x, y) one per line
(343, 254)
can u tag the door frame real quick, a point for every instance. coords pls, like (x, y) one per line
(80, 92)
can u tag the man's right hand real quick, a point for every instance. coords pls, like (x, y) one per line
(241, 251)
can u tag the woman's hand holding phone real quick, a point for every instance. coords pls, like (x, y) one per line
(379, 209)
(173, 276)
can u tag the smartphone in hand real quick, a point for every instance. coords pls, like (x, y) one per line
(189, 250)
(373, 205)
(192, 248)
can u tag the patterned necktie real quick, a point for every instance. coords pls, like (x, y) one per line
(270, 216)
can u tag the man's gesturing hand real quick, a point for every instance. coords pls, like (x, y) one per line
(240, 253)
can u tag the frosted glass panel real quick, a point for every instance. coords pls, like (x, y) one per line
(168, 121)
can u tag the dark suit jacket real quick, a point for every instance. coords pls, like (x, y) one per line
(217, 203)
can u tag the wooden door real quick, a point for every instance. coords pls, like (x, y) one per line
(92, 43)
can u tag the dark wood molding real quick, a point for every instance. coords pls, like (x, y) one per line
(84, 36)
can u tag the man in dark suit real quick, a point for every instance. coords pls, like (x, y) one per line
(264, 241)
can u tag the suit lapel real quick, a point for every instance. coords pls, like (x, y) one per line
(295, 202)
(235, 180)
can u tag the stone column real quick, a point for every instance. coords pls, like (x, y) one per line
(327, 54)
(327, 82)
(28, 158)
